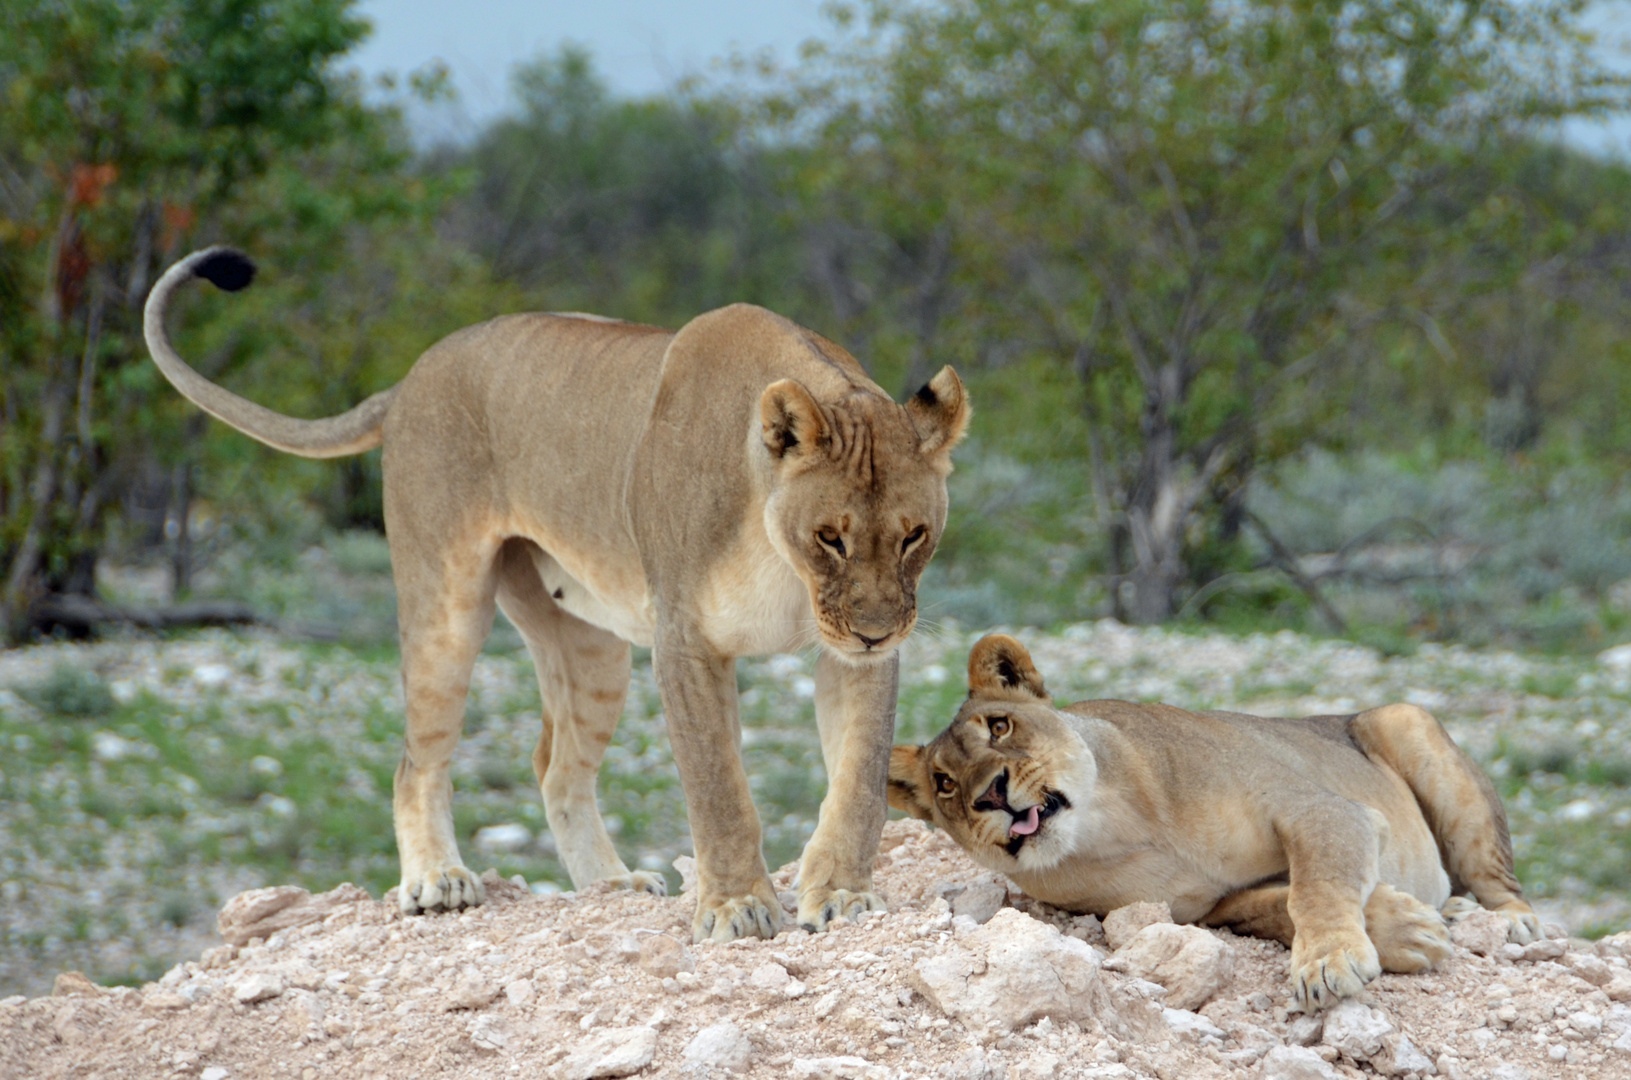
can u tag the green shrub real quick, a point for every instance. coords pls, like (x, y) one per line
(71, 691)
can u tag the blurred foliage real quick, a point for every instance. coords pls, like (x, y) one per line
(1204, 211)
(131, 134)
(1250, 300)
(72, 692)
(652, 210)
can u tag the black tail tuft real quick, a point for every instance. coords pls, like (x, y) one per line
(226, 269)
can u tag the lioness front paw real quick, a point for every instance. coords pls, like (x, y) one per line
(638, 881)
(819, 908)
(1409, 935)
(727, 919)
(1524, 923)
(1322, 974)
(448, 888)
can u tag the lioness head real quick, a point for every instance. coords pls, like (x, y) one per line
(859, 501)
(1009, 779)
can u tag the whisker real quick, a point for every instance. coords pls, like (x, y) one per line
(937, 633)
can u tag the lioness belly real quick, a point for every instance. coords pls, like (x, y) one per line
(1099, 887)
(611, 597)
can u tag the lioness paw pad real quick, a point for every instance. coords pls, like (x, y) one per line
(447, 889)
(1524, 928)
(639, 881)
(737, 917)
(820, 908)
(1324, 978)
(1409, 935)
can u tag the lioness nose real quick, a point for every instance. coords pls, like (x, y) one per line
(869, 642)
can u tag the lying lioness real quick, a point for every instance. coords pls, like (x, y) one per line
(736, 487)
(1323, 833)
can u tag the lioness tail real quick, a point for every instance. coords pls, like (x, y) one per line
(335, 436)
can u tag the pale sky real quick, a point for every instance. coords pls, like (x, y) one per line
(640, 46)
(645, 46)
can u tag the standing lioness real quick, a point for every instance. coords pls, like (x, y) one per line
(1324, 833)
(736, 487)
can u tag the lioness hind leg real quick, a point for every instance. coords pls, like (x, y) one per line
(583, 677)
(1459, 804)
(1409, 935)
(445, 610)
(1256, 912)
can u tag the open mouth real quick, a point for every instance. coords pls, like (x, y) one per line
(1025, 823)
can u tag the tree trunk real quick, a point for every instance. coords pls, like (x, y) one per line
(22, 580)
(181, 556)
(1161, 502)
(1154, 523)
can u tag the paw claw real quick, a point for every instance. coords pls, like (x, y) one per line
(447, 889)
(1409, 935)
(737, 917)
(1337, 972)
(639, 881)
(1524, 928)
(819, 908)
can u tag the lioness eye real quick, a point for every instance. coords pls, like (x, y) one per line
(944, 784)
(911, 538)
(1000, 726)
(831, 538)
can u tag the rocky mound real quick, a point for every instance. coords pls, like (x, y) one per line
(962, 978)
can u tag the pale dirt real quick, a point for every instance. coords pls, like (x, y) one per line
(520, 985)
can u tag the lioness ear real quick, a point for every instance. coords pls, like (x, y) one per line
(906, 781)
(940, 412)
(999, 666)
(790, 420)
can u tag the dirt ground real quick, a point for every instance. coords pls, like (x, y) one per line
(578, 985)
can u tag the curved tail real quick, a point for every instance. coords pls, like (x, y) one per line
(335, 436)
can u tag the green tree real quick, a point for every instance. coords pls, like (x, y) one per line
(653, 209)
(1172, 198)
(132, 132)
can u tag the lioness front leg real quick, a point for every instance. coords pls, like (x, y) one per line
(1331, 846)
(698, 687)
(855, 710)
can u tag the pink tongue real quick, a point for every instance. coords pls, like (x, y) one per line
(1031, 822)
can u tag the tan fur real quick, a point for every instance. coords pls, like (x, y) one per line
(739, 486)
(1341, 836)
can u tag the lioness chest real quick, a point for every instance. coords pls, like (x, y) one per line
(749, 603)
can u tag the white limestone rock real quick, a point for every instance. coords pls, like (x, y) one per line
(769, 976)
(1010, 972)
(846, 1067)
(1295, 1063)
(1356, 1030)
(1192, 1026)
(1480, 932)
(1190, 962)
(608, 1052)
(1122, 924)
(980, 901)
(264, 912)
(663, 957)
(260, 986)
(719, 1046)
(1399, 1056)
